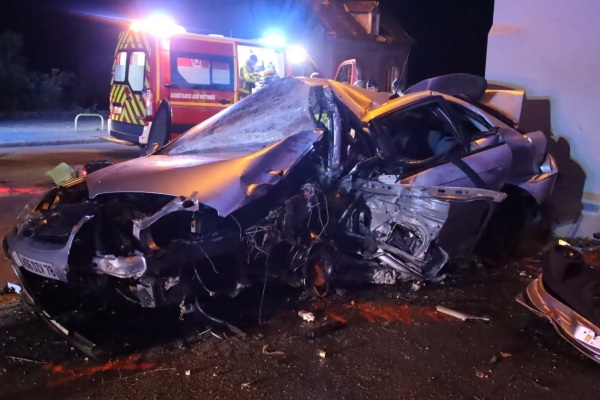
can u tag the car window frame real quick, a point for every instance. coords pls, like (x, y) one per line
(492, 129)
(383, 140)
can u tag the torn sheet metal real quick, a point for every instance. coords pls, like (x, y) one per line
(507, 102)
(177, 204)
(359, 101)
(406, 221)
(459, 314)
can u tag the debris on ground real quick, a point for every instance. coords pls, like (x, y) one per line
(61, 174)
(325, 329)
(481, 375)
(307, 316)
(7, 296)
(13, 288)
(25, 360)
(188, 372)
(416, 286)
(499, 357)
(537, 383)
(271, 353)
(458, 314)
(215, 335)
(322, 353)
(246, 385)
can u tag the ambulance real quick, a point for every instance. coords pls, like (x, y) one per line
(197, 75)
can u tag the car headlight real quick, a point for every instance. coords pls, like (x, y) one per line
(30, 211)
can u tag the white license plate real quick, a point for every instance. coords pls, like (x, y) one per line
(37, 267)
(588, 336)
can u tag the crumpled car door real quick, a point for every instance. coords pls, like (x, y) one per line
(448, 158)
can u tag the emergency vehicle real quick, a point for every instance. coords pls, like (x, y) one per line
(198, 75)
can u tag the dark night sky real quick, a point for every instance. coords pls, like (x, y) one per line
(450, 35)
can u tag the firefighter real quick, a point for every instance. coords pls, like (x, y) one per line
(248, 75)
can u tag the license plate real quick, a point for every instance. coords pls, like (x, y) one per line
(588, 336)
(37, 267)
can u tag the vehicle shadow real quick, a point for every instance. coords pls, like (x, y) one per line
(565, 203)
(520, 225)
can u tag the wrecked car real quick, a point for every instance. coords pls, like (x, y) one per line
(308, 181)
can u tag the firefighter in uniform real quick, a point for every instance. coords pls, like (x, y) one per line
(248, 76)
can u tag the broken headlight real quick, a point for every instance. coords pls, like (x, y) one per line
(28, 213)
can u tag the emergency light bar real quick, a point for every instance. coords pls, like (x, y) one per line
(158, 26)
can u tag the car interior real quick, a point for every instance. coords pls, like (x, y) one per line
(419, 134)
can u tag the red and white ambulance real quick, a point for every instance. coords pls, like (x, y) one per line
(197, 74)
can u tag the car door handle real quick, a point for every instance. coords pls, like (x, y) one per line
(225, 101)
(171, 86)
(128, 98)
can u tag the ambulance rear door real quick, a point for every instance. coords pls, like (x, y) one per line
(129, 86)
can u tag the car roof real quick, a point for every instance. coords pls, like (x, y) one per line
(367, 104)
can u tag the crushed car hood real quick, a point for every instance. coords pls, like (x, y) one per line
(221, 182)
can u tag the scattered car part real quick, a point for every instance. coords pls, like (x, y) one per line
(565, 294)
(307, 316)
(459, 314)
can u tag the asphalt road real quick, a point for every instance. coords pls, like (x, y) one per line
(376, 342)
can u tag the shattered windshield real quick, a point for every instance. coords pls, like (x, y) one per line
(266, 117)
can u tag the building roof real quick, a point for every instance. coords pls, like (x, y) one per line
(337, 17)
(360, 6)
(391, 28)
(337, 20)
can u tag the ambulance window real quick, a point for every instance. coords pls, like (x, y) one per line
(221, 73)
(120, 67)
(137, 65)
(202, 71)
(195, 71)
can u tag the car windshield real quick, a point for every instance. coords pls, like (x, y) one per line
(279, 110)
